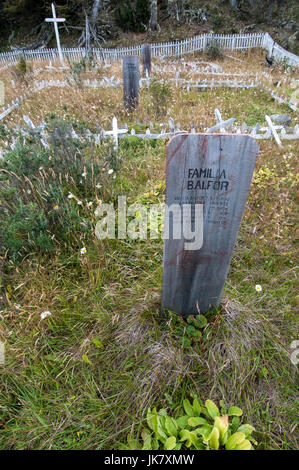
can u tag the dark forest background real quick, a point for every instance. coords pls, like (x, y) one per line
(22, 21)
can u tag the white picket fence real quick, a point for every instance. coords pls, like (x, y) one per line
(171, 49)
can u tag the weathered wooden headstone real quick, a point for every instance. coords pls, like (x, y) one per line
(146, 59)
(131, 81)
(213, 172)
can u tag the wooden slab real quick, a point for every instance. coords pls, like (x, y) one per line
(146, 59)
(216, 171)
(131, 81)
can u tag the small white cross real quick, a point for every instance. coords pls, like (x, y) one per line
(115, 132)
(273, 130)
(220, 123)
(56, 20)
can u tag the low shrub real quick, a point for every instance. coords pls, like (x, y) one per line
(195, 427)
(161, 95)
(214, 50)
(48, 195)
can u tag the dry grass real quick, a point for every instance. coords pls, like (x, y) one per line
(83, 377)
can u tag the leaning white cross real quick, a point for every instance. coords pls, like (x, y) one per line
(273, 130)
(38, 129)
(115, 132)
(220, 123)
(56, 20)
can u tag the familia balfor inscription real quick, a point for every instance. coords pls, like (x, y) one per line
(206, 178)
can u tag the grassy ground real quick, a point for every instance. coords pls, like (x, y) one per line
(83, 377)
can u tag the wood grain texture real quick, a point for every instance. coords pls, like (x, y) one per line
(146, 58)
(216, 171)
(131, 81)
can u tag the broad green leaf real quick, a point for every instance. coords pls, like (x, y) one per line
(188, 407)
(155, 423)
(194, 439)
(170, 443)
(133, 443)
(234, 411)
(214, 439)
(235, 423)
(196, 421)
(148, 418)
(144, 434)
(204, 430)
(245, 445)
(212, 409)
(147, 445)
(196, 407)
(171, 426)
(185, 436)
(247, 429)
(221, 423)
(155, 444)
(234, 440)
(182, 421)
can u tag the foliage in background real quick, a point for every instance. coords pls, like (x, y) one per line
(133, 15)
(160, 92)
(214, 51)
(48, 196)
(22, 72)
(194, 427)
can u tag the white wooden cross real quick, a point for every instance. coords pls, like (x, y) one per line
(56, 20)
(273, 130)
(220, 123)
(115, 132)
(37, 130)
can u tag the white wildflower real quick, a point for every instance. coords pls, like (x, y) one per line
(45, 314)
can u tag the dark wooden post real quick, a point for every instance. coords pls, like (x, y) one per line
(146, 58)
(131, 81)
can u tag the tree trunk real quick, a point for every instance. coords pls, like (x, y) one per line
(270, 9)
(154, 16)
(233, 4)
(95, 10)
(171, 8)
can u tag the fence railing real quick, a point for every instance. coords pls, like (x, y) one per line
(233, 42)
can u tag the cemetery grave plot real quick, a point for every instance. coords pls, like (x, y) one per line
(79, 375)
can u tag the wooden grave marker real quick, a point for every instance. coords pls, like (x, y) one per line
(213, 172)
(131, 82)
(146, 59)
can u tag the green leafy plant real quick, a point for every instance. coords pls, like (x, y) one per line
(195, 427)
(48, 195)
(22, 72)
(161, 94)
(214, 50)
(133, 15)
(77, 69)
